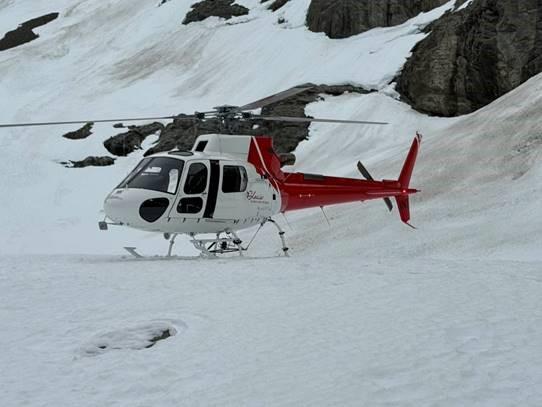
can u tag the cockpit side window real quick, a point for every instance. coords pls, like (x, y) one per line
(157, 174)
(134, 172)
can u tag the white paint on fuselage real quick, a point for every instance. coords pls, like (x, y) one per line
(233, 211)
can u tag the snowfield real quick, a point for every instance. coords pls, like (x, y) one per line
(309, 331)
(365, 312)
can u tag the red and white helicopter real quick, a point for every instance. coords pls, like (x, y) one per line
(227, 183)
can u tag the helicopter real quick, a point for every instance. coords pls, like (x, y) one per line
(228, 183)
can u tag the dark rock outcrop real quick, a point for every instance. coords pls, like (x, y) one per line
(474, 56)
(91, 162)
(80, 134)
(344, 18)
(125, 143)
(287, 136)
(214, 8)
(24, 33)
(277, 4)
(183, 132)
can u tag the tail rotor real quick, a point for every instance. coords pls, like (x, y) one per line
(365, 173)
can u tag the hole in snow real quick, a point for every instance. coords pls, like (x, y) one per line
(159, 337)
(136, 338)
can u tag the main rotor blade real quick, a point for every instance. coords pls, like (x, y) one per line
(274, 98)
(310, 120)
(140, 119)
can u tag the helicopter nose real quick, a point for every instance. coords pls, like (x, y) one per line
(135, 208)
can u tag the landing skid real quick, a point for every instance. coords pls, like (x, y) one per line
(224, 243)
(133, 252)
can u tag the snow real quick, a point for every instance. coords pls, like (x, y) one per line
(464, 5)
(273, 332)
(365, 312)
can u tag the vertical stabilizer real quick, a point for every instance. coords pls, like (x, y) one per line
(403, 201)
(410, 162)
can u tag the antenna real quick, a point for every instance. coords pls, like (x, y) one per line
(325, 216)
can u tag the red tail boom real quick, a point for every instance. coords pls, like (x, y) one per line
(301, 191)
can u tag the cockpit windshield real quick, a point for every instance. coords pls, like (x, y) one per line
(158, 174)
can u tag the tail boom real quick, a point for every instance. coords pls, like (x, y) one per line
(302, 191)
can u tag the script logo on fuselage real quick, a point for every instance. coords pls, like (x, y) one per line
(253, 196)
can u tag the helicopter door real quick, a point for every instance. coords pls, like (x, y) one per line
(213, 190)
(193, 194)
(198, 195)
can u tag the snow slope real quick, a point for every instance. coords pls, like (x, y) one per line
(365, 312)
(104, 59)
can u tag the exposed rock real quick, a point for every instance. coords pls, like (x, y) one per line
(183, 132)
(80, 134)
(344, 18)
(287, 136)
(24, 33)
(214, 8)
(474, 56)
(91, 162)
(277, 4)
(287, 159)
(125, 143)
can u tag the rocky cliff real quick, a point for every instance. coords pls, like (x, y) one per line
(344, 18)
(473, 56)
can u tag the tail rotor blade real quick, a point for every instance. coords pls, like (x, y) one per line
(388, 204)
(369, 177)
(364, 172)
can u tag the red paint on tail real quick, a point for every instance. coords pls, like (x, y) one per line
(301, 191)
(403, 201)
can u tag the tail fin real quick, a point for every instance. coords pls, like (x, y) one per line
(408, 167)
(262, 155)
(403, 202)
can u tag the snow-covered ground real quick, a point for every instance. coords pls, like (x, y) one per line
(365, 312)
(312, 331)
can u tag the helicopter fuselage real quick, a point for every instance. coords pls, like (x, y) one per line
(228, 183)
(200, 193)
